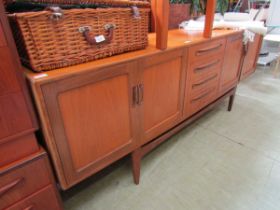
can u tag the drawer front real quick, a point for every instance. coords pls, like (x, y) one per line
(9, 151)
(23, 181)
(197, 101)
(205, 69)
(207, 49)
(45, 199)
(196, 88)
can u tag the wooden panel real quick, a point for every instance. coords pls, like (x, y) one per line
(17, 148)
(20, 182)
(14, 116)
(16, 123)
(232, 61)
(163, 91)
(91, 119)
(249, 63)
(207, 49)
(8, 78)
(45, 199)
(2, 36)
(96, 119)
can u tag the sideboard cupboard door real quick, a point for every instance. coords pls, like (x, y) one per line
(251, 57)
(162, 83)
(93, 120)
(232, 60)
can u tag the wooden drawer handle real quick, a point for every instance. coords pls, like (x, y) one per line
(202, 96)
(31, 207)
(10, 186)
(205, 81)
(200, 68)
(135, 95)
(141, 94)
(209, 49)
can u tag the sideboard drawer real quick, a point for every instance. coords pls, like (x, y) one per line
(206, 84)
(45, 199)
(199, 100)
(205, 68)
(10, 152)
(22, 181)
(206, 49)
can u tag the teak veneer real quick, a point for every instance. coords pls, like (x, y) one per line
(95, 113)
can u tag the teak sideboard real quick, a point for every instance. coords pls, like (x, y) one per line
(95, 113)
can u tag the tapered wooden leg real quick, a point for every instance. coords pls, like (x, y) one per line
(136, 165)
(230, 103)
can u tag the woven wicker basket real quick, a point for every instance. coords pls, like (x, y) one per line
(138, 3)
(79, 36)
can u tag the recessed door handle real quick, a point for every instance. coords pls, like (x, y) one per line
(200, 68)
(209, 49)
(10, 186)
(204, 81)
(141, 93)
(202, 96)
(135, 95)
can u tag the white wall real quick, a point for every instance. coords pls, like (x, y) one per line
(274, 15)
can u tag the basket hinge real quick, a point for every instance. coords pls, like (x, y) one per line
(57, 12)
(136, 12)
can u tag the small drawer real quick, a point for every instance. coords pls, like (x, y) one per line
(45, 199)
(205, 69)
(10, 152)
(25, 179)
(198, 101)
(207, 49)
(203, 85)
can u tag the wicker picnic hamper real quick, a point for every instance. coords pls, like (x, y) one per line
(138, 3)
(49, 40)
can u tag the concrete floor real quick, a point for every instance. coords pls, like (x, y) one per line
(225, 161)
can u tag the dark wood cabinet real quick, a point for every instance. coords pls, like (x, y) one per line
(251, 56)
(24, 166)
(21, 180)
(231, 63)
(9, 81)
(39, 201)
(162, 77)
(17, 122)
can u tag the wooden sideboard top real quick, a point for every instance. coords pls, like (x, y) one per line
(176, 39)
